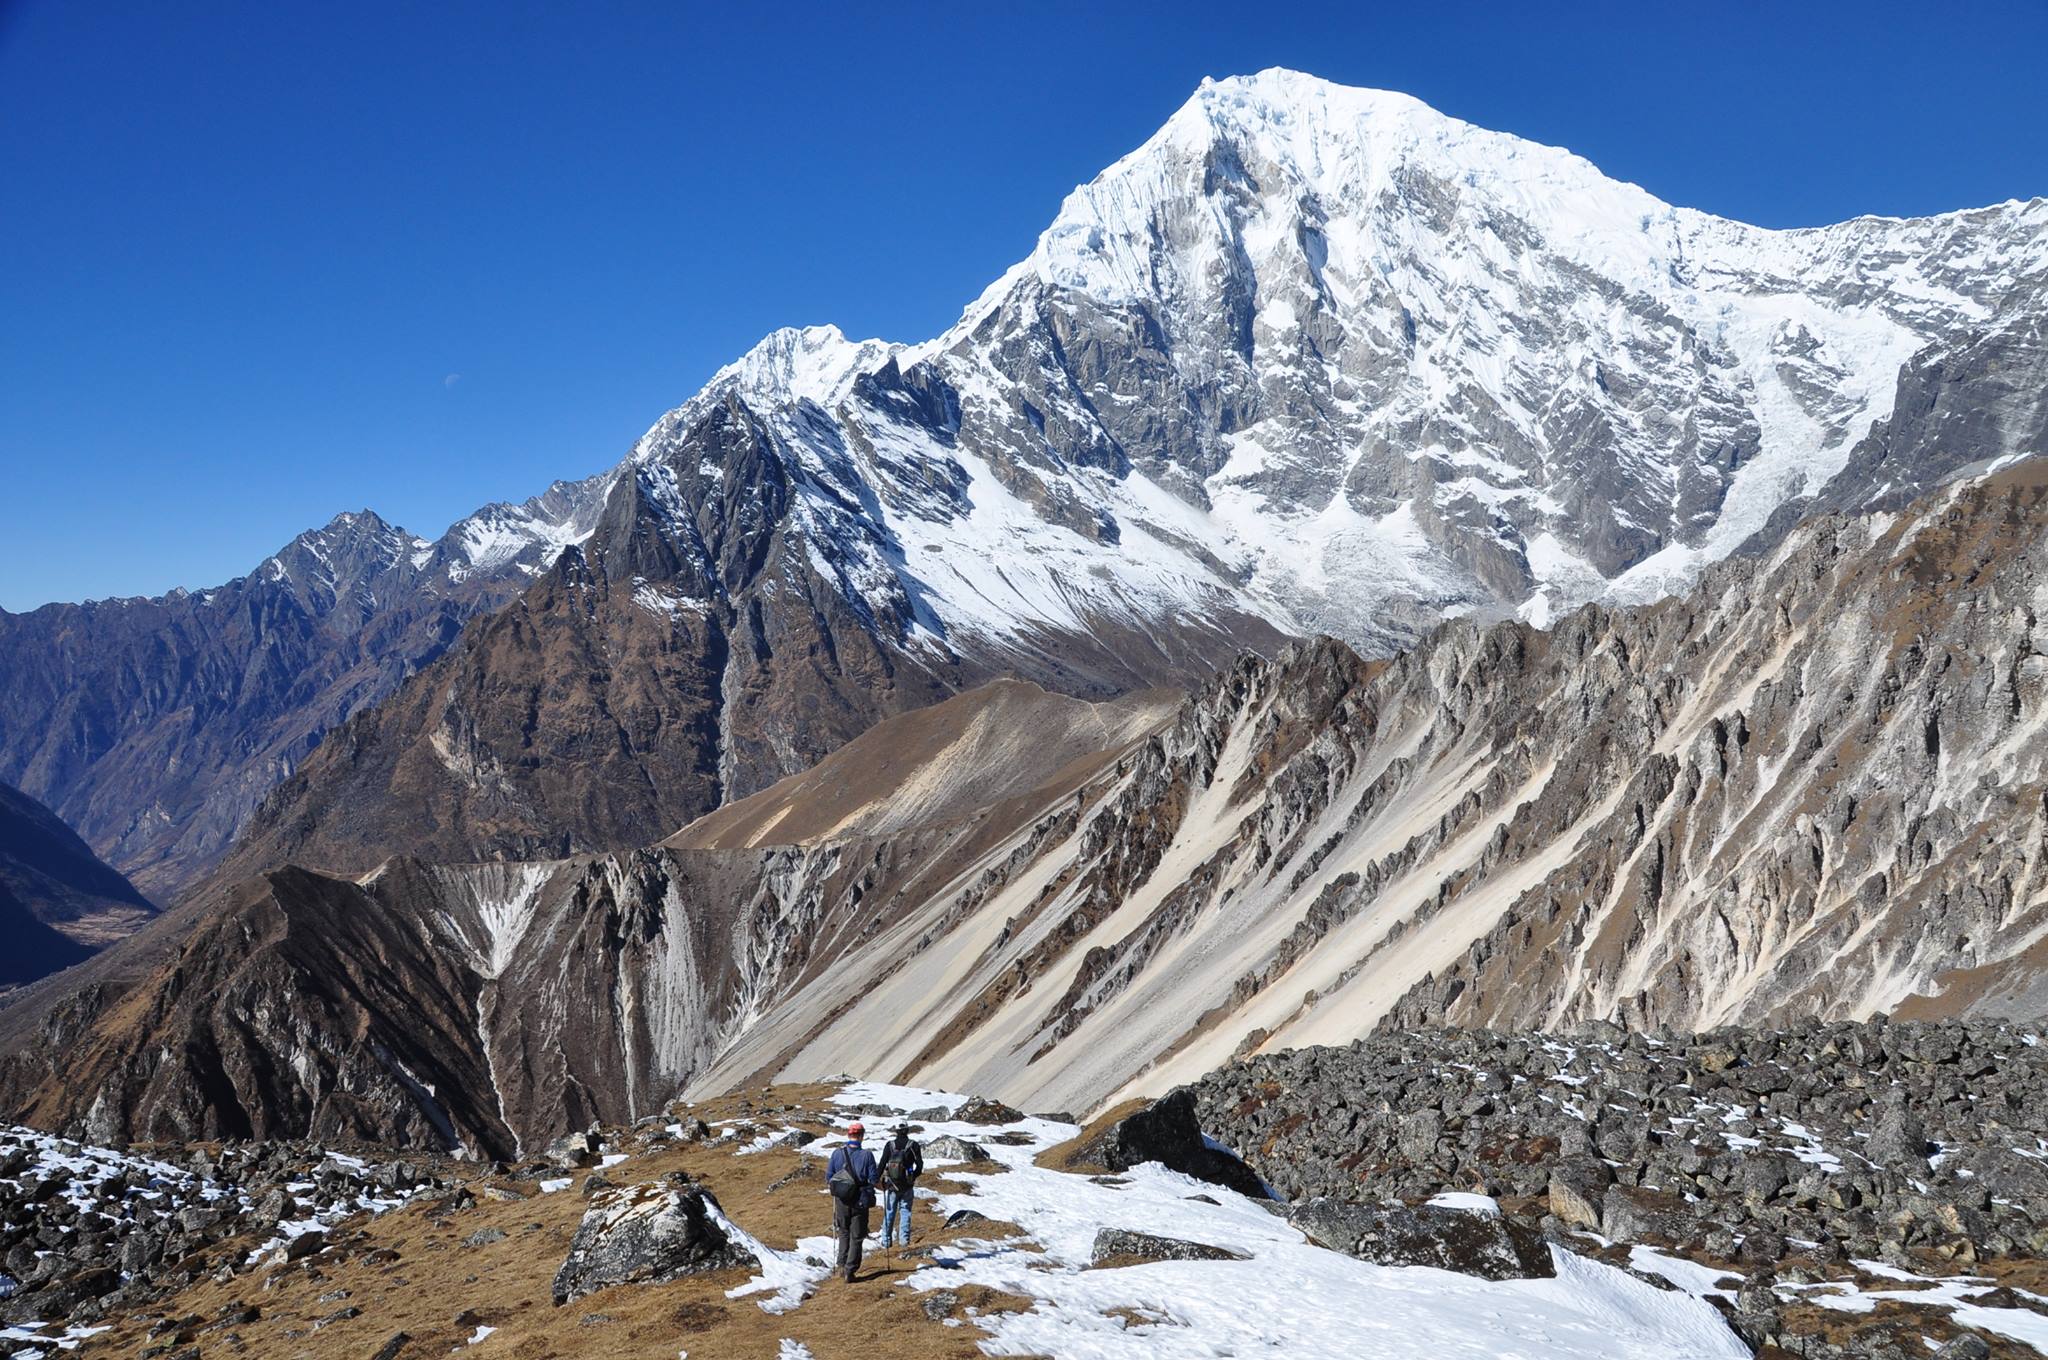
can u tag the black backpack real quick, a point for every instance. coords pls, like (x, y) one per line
(901, 1166)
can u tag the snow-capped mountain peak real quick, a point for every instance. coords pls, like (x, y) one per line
(1330, 359)
(803, 363)
(1401, 365)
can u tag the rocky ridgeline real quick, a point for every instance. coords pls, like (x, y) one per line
(86, 1232)
(1786, 1155)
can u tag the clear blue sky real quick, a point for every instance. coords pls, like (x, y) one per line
(244, 248)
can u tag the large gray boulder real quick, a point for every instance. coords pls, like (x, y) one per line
(1633, 1213)
(1577, 1185)
(1471, 1243)
(574, 1151)
(646, 1234)
(946, 1147)
(1898, 1139)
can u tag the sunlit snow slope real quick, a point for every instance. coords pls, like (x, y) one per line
(1328, 357)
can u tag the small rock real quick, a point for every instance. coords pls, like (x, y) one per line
(1126, 1244)
(1486, 1245)
(305, 1244)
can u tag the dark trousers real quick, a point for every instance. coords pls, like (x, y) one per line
(850, 1223)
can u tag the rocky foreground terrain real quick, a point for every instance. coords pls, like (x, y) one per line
(1847, 1190)
(1786, 1158)
(702, 1231)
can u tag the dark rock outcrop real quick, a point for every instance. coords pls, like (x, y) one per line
(1754, 1151)
(646, 1235)
(1692, 1142)
(1167, 1132)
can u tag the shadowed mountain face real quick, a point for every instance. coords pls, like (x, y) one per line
(1310, 360)
(58, 902)
(1813, 785)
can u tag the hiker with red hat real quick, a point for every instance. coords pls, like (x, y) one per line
(851, 1175)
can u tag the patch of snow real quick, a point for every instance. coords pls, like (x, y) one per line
(785, 1276)
(1291, 1298)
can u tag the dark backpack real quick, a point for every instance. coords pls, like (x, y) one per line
(901, 1166)
(847, 1186)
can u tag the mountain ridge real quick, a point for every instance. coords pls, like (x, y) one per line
(1308, 360)
(1811, 786)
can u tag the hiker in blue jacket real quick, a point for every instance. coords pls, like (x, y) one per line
(852, 1175)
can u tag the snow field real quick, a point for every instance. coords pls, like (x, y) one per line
(1290, 1299)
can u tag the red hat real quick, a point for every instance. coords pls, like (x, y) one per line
(855, 1129)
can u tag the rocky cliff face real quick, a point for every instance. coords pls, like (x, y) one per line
(699, 646)
(486, 1007)
(1812, 786)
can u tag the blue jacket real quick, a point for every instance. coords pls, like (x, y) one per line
(858, 1162)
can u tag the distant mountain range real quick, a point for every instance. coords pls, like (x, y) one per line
(155, 726)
